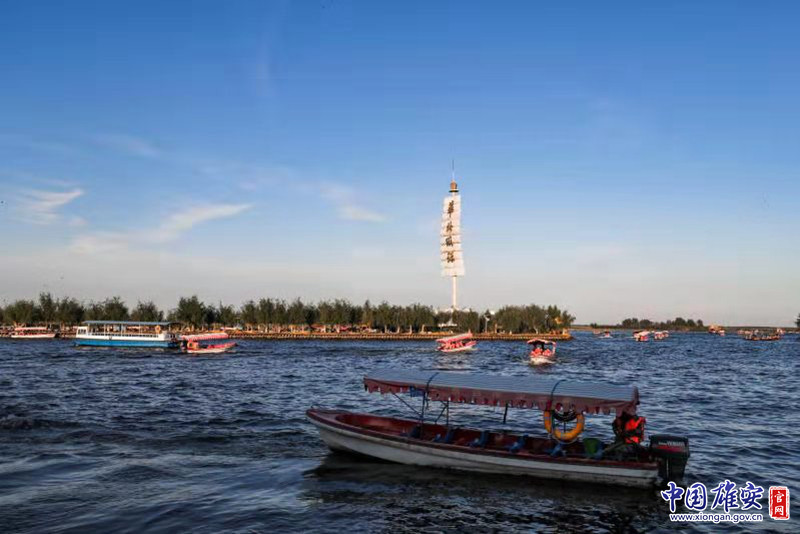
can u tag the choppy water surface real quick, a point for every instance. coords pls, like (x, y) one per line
(95, 440)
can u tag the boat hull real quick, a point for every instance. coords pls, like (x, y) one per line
(347, 438)
(130, 343)
(212, 350)
(35, 336)
(468, 348)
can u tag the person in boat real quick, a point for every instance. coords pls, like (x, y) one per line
(540, 350)
(628, 433)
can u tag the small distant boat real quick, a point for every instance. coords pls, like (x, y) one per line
(142, 334)
(642, 335)
(457, 343)
(33, 332)
(716, 330)
(215, 343)
(606, 334)
(756, 335)
(661, 334)
(542, 351)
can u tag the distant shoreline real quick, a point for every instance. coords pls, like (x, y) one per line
(366, 336)
(430, 336)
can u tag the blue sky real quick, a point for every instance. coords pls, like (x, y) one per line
(626, 160)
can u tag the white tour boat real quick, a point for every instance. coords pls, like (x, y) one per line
(558, 454)
(145, 334)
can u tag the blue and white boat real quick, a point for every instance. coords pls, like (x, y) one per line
(148, 334)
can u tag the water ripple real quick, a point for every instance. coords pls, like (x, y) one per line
(130, 441)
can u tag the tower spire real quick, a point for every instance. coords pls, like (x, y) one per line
(453, 184)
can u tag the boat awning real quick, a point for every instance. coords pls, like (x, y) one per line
(516, 391)
(205, 337)
(457, 337)
(542, 341)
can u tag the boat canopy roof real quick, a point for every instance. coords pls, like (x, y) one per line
(516, 391)
(131, 323)
(205, 337)
(456, 337)
(540, 340)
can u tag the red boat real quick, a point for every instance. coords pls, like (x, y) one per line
(216, 343)
(558, 454)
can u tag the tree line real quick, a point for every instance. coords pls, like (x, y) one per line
(679, 323)
(270, 314)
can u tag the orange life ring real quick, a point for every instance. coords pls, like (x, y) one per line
(558, 434)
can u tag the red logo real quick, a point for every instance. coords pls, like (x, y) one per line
(779, 502)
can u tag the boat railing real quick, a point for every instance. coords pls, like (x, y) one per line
(126, 334)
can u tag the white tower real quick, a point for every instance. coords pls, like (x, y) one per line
(451, 254)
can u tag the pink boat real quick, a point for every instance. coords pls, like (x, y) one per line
(32, 332)
(643, 335)
(458, 343)
(216, 343)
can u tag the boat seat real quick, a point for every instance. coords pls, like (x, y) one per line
(517, 446)
(593, 448)
(558, 450)
(415, 432)
(480, 442)
(448, 438)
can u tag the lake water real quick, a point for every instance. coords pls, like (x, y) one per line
(108, 440)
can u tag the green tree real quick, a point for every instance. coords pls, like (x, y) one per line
(249, 314)
(367, 315)
(22, 312)
(797, 321)
(95, 311)
(226, 315)
(296, 313)
(383, 316)
(114, 309)
(266, 312)
(47, 308)
(69, 311)
(147, 311)
(281, 313)
(191, 311)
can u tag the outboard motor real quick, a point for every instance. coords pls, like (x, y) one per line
(671, 453)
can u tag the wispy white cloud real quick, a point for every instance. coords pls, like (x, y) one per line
(172, 228)
(347, 207)
(181, 222)
(42, 207)
(135, 146)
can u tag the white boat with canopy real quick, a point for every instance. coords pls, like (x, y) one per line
(558, 454)
(542, 352)
(33, 332)
(145, 334)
